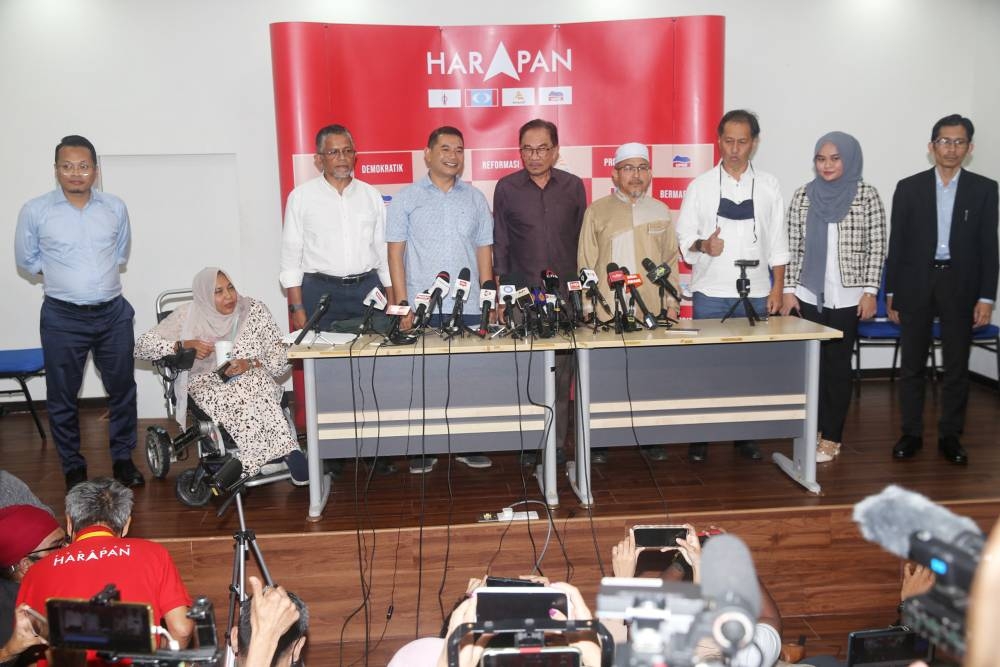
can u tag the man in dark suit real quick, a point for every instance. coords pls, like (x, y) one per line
(942, 263)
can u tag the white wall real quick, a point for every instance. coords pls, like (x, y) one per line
(191, 77)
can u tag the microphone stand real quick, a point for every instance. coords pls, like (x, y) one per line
(312, 323)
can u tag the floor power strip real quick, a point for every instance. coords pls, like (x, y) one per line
(507, 515)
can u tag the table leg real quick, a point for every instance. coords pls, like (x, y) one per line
(578, 471)
(319, 484)
(803, 468)
(546, 472)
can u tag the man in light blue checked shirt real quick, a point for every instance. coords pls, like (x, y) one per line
(441, 223)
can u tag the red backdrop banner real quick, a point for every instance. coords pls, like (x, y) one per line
(656, 81)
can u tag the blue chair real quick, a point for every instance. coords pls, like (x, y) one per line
(20, 365)
(987, 338)
(876, 332)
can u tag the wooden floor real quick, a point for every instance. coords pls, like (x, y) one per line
(424, 522)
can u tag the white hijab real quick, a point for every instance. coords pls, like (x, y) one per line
(205, 322)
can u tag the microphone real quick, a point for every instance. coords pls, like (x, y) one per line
(525, 302)
(422, 300)
(396, 315)
(633, 280)
(461, 294)
(543, 308)
(658, 275)
(616, 281)
(488, 299)
(374, 299)
(322, 306)
(438, 290)
(728, 577)
(575, 289)
(903, 523)
(589, 279)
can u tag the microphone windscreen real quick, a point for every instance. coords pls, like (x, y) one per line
(464, 274)
(728, 575)
(612, 267)
(647, 264)
(514, 278)
(890, 517)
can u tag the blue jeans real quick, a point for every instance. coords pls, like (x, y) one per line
(715, 307)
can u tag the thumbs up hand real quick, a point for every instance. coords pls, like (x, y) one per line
(713, 245)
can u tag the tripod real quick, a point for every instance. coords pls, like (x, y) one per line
(743, 289)
(246, 543)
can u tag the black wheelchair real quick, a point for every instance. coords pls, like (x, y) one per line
(218, 470)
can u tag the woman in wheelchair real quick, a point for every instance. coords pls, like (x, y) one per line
(242, 395)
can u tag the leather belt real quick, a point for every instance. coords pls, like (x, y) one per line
(343, 280)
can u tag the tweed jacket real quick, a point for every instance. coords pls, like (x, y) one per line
(862, 240)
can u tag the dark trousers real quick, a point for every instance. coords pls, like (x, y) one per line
(834, 366)
(345, 300)
(69, 333)
(956, 338)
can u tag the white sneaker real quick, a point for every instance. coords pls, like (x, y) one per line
(475, 460)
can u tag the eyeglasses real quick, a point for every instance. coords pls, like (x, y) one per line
(38, 554)
(540, 151)
(82, 168)
(944, 142)
(336, 153)
(630, 169)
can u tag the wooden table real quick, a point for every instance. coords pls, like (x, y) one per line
(728, 381)
(367, 399)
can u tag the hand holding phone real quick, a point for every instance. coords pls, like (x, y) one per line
(658, 536)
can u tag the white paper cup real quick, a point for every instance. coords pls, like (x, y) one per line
(223, 351)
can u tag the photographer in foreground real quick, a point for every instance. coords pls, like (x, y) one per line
(272, 630)
(765, 647)
(98, 516)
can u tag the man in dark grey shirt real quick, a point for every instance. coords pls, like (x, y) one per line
(537, 215)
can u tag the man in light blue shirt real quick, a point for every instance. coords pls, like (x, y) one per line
(77, 238)
(440, 223)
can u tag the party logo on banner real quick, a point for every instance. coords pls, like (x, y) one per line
(444, 98)
(518, 97)
(481, 97)
(494, 164)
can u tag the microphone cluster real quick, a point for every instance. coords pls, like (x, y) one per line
(542, 309)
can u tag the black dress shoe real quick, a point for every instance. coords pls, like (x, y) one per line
(599, 455)
(126, 473)
(75, 476)
(697, 451)
(952, 449)
(907, 447)
(748, 449)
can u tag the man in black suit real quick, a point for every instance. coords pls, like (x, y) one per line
(942, 263)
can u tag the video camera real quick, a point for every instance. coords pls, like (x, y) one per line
(118, 630)
(913, 527)
(668, 620)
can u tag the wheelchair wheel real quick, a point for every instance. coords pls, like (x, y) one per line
(158, 450)
(192, 491)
